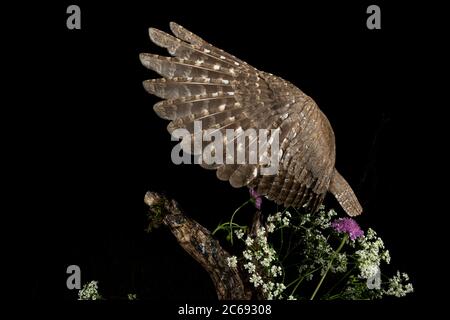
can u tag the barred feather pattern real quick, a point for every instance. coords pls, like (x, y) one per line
(203, 83)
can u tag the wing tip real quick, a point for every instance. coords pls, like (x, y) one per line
(153, 34)
(153, 86)
(174, 26)
(163, 39)
(149, 86)
(151, 61)
(144, 58)
(344, 194)
(164, 112)
(354, 212)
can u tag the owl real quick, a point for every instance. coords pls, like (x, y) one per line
(203, 84)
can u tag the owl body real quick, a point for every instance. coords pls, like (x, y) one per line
(204, 83)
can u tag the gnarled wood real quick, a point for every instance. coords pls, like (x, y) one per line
(199, 243)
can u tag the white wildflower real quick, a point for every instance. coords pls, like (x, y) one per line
(370, 255)
(386, 256)
(265, 262)
(340, 263)
(249, 242)
(247, 254)
(261, 236)
(331, 213)
(291, 297)
(256, 280)
(239, 233)
(89, 291)
(276, 270)
(269, 252)
(371, 234)
(368, 271)
(232, 261)
(261, 232)
(250, 267)
(280, 287)
(262, 241)
(278, 216)
(270, 227)
(258, 255)
(397, 287)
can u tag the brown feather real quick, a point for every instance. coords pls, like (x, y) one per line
(204, 83)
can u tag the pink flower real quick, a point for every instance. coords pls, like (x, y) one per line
(349, 226)
(256, 197)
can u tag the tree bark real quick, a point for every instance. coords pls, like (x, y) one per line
(198, 241)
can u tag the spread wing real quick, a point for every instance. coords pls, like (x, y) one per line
(203, 83)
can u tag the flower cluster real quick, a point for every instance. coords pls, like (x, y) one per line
(89, 291)
(232, 261)
(318, 248)
(239, 233)
(261, 263)
(132, 296)
(370, 253)
(278, 220)
(320, 220)
(397, 286)
(348, 226)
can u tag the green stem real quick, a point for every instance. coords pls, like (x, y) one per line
(281, 245)
(333, 297)
(290, 284)
(299, 280)
(232, 217)
(340, 281)
(329, 266)
(296, 286)
(222, 227)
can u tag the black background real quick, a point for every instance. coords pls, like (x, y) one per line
(94, 144)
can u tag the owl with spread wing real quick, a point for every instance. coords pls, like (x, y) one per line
(203, 83)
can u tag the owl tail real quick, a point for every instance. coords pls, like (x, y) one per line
(344, 194)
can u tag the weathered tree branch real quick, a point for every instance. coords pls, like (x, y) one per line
(200, 244)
